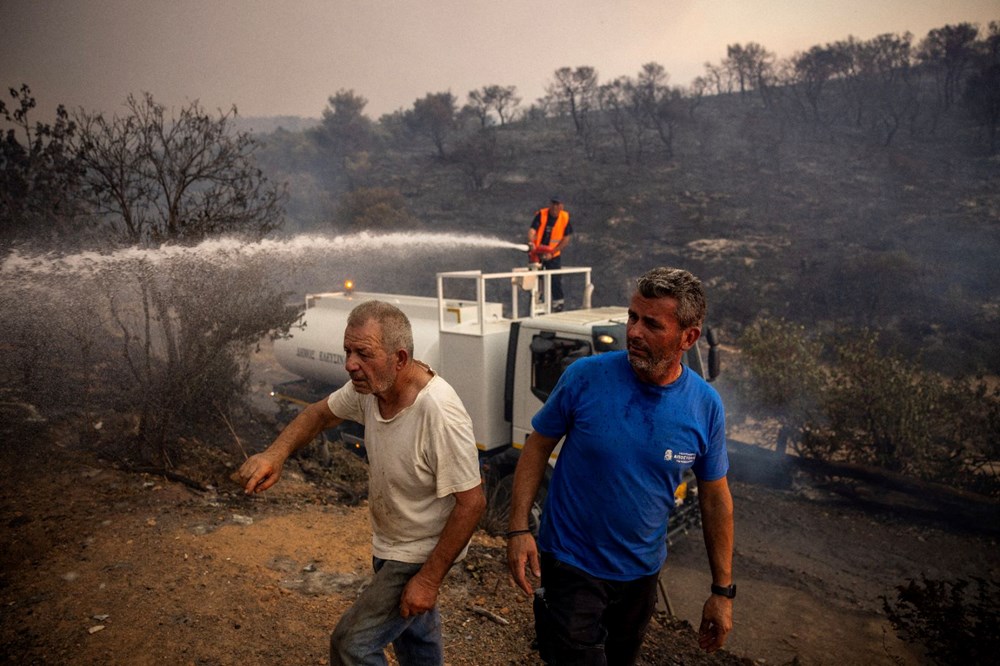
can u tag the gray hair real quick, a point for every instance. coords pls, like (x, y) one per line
(396, 330)
(680, 285)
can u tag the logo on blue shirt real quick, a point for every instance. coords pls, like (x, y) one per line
(681, 457)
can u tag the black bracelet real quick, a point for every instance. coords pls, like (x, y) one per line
(513, 533)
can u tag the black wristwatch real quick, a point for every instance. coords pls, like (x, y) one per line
(727, 591)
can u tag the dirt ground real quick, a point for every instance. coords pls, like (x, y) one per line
(102, 565)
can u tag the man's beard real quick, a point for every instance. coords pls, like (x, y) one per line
(375, 385)
(649, 363)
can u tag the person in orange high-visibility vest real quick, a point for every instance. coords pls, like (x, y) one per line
(550, 232)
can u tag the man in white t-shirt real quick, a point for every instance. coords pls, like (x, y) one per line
(425, 495)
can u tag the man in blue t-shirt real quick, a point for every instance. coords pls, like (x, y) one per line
(633, 421)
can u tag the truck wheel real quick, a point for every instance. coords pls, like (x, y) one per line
(496, 519)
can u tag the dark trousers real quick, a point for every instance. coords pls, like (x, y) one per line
(583, 620)
(557, 291)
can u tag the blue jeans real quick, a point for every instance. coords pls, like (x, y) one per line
(374, 621)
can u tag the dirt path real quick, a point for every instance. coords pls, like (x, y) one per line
(102, 566)
(813, 562)
(112, 567)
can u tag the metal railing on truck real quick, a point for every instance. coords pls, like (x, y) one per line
(535, 285)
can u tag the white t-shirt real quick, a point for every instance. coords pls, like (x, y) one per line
(417, 460)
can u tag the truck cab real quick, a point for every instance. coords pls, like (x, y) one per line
(543, 347)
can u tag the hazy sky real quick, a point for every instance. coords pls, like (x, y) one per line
(286, 57)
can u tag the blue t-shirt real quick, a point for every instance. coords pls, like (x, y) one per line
(627, 445)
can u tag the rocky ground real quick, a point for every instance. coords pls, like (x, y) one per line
(104, 565)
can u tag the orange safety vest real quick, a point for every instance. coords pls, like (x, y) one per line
(558, 228)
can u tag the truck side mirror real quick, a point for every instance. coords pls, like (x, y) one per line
(714, 362)
(543, 343)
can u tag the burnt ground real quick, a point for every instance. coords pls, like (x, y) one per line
(104, 565)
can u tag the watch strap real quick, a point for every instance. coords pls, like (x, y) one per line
(724, 591)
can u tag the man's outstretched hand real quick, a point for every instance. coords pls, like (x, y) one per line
(258, 473)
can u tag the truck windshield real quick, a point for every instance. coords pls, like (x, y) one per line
(550, 356)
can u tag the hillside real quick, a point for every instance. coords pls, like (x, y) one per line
(818, 223)
(825, 223)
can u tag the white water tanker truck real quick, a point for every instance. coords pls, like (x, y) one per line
(503, 357)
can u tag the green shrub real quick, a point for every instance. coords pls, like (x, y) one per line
(883, 410)
(780, 376)
(376, 208)
(853, 399)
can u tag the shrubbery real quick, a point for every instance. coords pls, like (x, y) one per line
(166, 339)
(957, 622)
(379, 208)
(145, 326)
(849, 398)
(782, 379)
